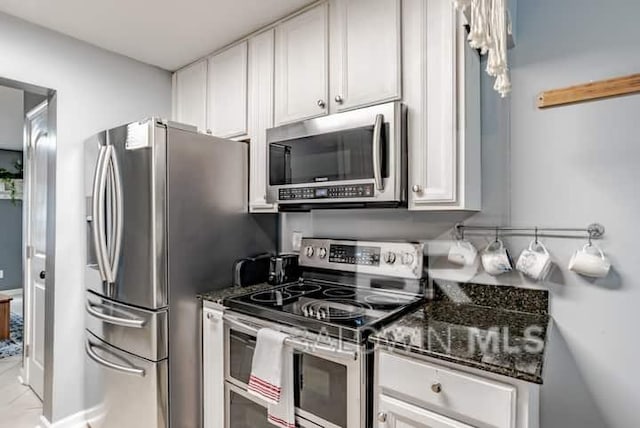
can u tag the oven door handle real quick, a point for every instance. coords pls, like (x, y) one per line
(297, 343)
(376, 148)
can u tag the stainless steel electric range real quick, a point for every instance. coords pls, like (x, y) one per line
(348, 290)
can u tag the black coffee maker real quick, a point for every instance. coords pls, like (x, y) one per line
(283, 268)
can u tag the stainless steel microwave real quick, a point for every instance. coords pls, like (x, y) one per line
(354, 159)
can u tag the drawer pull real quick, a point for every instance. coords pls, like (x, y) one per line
(382, 417)
(436, 387)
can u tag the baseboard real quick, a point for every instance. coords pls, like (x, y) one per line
(12, 292)
(77, 420)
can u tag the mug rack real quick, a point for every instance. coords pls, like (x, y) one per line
(592, 231)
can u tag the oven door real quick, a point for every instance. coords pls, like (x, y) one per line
(355, 156)
(328, 388)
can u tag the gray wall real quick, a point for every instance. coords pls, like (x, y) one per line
(10, 231)
(570, 166)
(96, 90)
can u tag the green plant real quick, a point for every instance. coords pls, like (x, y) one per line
(8, 178)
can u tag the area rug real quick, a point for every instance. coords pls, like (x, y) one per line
(13, 345)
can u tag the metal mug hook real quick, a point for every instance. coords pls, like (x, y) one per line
(536, 234)
(497, 234)
(590, 238)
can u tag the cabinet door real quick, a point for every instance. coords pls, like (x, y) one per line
(443, 118)
(227, 92)
(394, 413)
(213, 367)
(302, 67)
(261, 58)
(190, 93)
(365, 52)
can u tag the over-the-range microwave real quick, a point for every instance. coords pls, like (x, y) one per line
(354, 159)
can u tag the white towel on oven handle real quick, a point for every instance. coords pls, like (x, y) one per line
(272, 376)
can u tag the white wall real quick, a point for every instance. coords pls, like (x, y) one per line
(571, 166)
(96, 90)
(11, 118)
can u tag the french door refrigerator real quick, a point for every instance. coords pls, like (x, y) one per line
(166, 218)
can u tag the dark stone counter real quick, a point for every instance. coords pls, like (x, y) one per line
(498, 329)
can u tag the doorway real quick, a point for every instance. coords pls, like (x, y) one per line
(27, 167)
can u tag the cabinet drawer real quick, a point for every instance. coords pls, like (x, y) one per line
(460, 394)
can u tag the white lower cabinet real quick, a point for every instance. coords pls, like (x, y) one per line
(394, 413)
(413, 392)
(213, 365)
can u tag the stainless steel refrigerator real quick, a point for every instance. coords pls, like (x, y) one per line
(166, 218)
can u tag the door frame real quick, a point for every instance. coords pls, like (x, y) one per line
(52, 100)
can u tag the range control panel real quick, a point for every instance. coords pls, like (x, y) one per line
(354, 255)
(330, 192)
(396, 259)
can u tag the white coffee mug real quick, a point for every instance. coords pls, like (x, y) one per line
(535, 261)
(463, 253)
(496, 259)
(590, 261)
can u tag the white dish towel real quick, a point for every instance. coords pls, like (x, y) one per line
(272, 377)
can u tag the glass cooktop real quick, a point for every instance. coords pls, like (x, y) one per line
(339, 310)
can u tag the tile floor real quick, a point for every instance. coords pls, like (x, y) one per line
(19, 406)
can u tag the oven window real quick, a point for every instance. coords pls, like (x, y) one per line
(241, 348)
(336, 156)
(322, 388)
(244, 413)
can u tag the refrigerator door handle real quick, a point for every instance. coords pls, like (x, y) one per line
(106, 363)
(97, 212)
(118, 216)
(132, 321)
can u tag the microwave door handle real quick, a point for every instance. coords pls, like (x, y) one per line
(376, 147)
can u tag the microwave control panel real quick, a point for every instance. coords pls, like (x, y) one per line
(330, 192)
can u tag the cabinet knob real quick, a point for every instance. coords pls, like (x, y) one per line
(436, 387)
(321, 104)
(209, 132)
(416, 188)
(339, 99)
(209, 316)
(382, 417)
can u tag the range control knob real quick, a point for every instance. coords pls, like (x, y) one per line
(390, 257)
(322, 252)
(407, 258)
(309, 251)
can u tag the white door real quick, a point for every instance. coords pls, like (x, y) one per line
(394, 413)
(190, 90)
(227, 92)
(36, 168)
(365, 52)
(302, 66)
(261, 57)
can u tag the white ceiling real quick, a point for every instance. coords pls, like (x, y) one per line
(166, 33)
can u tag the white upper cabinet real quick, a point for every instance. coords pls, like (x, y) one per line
(190, 92)
(301, 66)
(365, 52)
(261, 58)
(227, 92)
(442, 92)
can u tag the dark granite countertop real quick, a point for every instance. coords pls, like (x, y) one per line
(217, 296)
(497, 329)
